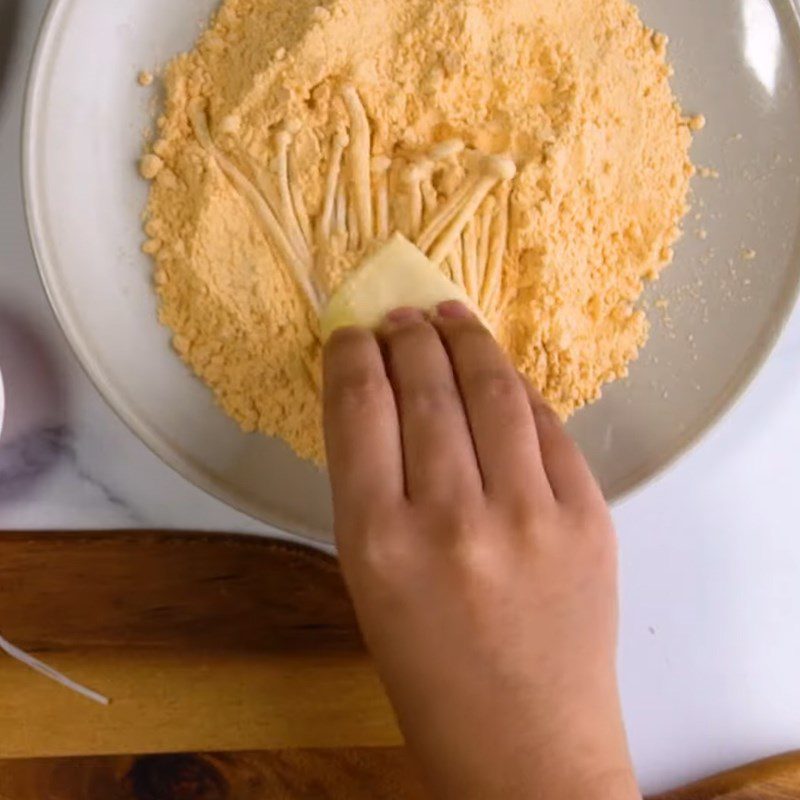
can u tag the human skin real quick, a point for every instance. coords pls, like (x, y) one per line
(481, 559)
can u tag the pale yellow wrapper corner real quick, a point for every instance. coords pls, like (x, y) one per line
(399, 275)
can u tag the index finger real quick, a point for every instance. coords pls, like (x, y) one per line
(362, 431)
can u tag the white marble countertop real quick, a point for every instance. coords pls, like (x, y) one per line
(710, 552)
(66, 461)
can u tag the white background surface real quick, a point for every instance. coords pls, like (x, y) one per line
(710, 553)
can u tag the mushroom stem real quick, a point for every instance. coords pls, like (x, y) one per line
(299, 201)
(269, 222)
(326, 218)
(265, 184)
(353, 239)
(493, 169)
(445, 214)
(380, 171)
(430, 200)
(398, 208)
(467, 210)
(470, 248)
(499, 238)
(456, 261)
(340, 214)
(283, 140)
(414, 178)
(484, 235)
(360, 159)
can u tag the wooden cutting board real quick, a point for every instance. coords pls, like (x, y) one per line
(209, 644)
(202, 642)
(364, 774)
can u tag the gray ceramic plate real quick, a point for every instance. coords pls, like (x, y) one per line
(738, 61)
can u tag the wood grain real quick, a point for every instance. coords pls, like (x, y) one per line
(203, 642)
(773, 779)
(171, 591)
(297, 775)
(209, 644)
(366, 774)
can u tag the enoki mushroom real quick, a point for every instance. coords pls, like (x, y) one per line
(451, 201)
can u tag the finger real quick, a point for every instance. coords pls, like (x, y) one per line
(362, 432)
(566, 468)
(439, 457)
(499, 413)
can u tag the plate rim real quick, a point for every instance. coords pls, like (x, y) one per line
(282, 526)
(741, 382)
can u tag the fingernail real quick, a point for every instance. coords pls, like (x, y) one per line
(403, 316)
(453, 309)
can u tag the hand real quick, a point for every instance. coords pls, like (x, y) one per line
(481, 559)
